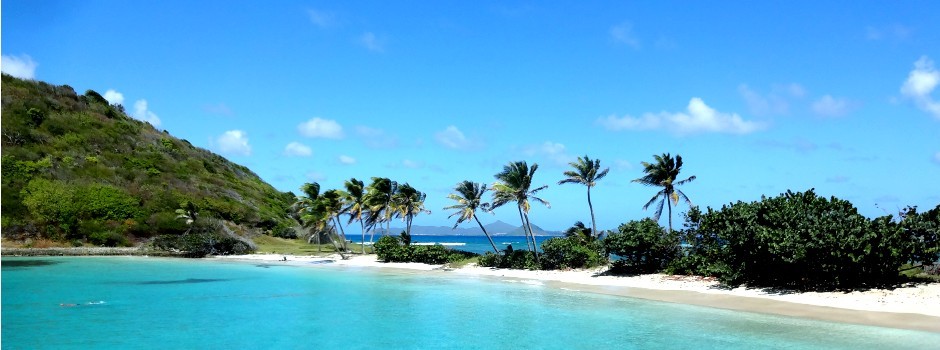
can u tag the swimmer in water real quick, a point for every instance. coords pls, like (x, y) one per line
(68, 305)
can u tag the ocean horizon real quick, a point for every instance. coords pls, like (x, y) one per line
(142, 303)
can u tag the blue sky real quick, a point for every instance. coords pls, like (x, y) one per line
(757, 97)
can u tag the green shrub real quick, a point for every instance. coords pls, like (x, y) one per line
(643, 246)
(392, 249)
(510, 259)
(389, 249)
(571, 253)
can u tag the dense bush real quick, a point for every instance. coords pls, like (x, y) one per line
(392, 249)
(571, 253)
(509, 259)
(803, 241)
(207, 237)
(643, 246)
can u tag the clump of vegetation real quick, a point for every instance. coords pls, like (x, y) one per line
(642, 246)
(803, 241)
(393, 249)
(76, 169)
(206, 236)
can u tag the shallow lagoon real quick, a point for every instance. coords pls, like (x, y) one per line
(175, 303)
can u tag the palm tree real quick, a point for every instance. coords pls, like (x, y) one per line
(469, 197)
(356, 205)
(580, 232)
(379, 200)
(514, 185)
(663, 174)
(586, 172)
(305, 208)
(189, 212)
(330, 204)
(408, 202)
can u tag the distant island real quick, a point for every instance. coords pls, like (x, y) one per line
(497, 228)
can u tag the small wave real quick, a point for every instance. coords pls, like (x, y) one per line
(440, 243)
(529, 282)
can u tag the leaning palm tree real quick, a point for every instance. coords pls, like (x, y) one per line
(586, 172)
(330, 204)
(189, 212)
(663, 174)
(356, 205)
(304, 207)
(469, 198)
(379, 200)
(514, 184)
(407, 203)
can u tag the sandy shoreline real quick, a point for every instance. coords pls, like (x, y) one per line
(916, 307)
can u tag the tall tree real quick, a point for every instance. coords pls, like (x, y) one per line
(407, 203)
(663, 173)
(586, 172)
(379, 200)
(514, 184)
(580, 232)
(356, 205)
(330, 204)
(469, 198)
(305, 208)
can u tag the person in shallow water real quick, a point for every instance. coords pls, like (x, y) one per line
(88, 303)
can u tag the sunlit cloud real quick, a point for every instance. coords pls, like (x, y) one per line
(829, 106)
(321, 128)
(297, 149)
(143, 112)
(556, 152)
(698, 118)
(218, 108)
(321, 19)
(344, 159)
(889, 32)
(233, 142)
(22, 67)
(114, 97)
(920, 84)
(776, 102)
(371, 42)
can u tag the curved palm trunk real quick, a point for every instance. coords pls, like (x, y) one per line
(363, 228)
(591, 208)
(532, 234)
(669, 205)
(525, 230)
(342, 233)
(487, 235)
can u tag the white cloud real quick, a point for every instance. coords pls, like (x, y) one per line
(920, 84)
(320, 18)
(297, 149)
(829, 106)
(22, 67)
(234, 142)
(700, 118)
(141, 112)
(323, 128)
(371, 42)
(347, 160)
(936, 157)
(623, 33)
(218, 108)
(775, 102)
(554, 151)
(451, 137)
(114, 97)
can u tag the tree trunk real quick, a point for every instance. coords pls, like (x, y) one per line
(534, 243)
(487, 235)
(525, 231)
(363, 228)
(669, 205)
(341, 232)
(319, 247)
(593, 222)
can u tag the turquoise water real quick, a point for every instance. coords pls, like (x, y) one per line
(167, 303)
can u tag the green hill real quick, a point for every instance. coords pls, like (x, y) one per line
(77, 169)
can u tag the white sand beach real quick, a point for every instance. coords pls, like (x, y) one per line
(911, 307)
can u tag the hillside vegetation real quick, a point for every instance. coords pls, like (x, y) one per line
(77, 169)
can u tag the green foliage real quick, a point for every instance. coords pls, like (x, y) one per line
(208, 237)
(643, 246)
(803, 241)
(74, 142)
(392, 249)
(509, 259)
(571, 253)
